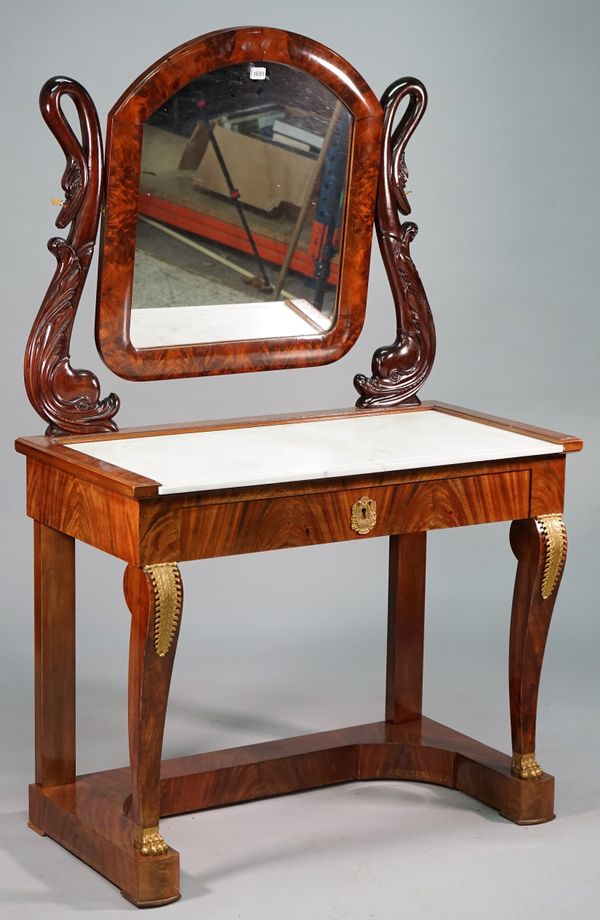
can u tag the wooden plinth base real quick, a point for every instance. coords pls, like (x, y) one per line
(89, 817)
(86, 817)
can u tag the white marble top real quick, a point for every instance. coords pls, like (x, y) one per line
(152, 327)
(316, 449)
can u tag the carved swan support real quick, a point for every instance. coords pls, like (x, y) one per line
(399, 370)
(69, 399)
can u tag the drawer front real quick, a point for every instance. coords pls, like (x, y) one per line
(327, 517)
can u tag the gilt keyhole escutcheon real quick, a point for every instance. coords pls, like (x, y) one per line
(364, 515)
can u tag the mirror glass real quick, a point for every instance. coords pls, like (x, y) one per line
(240, 209)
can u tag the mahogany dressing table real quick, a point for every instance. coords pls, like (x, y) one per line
(243, 171)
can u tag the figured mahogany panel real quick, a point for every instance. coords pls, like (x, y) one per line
(547, 486)
(69, 399)
(204, 525)
(406, 627)
(88, 512)
(55, 456)
(418, 751)
(246, 527)
(123, 154)
(54, 653)
(122, 513)
(88, 820)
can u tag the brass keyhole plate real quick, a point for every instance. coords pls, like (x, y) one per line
(364, 515)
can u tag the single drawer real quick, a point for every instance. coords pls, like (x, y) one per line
(253, 525)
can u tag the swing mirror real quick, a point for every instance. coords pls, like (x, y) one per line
(240, 209)
(241, 176)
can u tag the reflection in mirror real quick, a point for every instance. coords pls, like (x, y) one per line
(240, 209)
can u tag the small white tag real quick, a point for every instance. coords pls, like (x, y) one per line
(258, 73)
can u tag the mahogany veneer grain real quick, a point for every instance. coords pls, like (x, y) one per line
(419, 751)
(87, 819)
(229, 522)
(406, 626)
(54, 616)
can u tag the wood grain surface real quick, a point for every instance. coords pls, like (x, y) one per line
(149, 682)
(406, 627)
(229, 522)
(54, 656)
(87, 819)
(530, 622)
(87, 816)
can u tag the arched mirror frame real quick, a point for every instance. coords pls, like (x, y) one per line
(123, 157)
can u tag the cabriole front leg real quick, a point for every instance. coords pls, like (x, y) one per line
(540, 545)
(154, 595)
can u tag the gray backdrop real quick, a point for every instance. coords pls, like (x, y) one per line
(504, 175)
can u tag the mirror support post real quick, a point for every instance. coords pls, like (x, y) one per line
(162, 166)
(69, 399)
(399, 370)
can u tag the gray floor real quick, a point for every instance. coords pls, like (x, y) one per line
(158, 284)
(167, 272)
